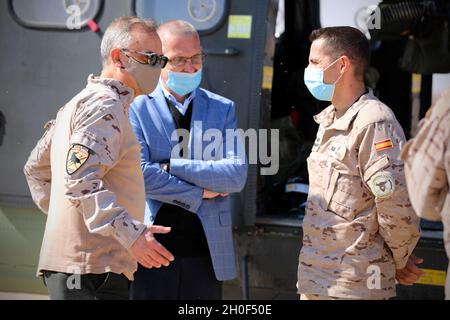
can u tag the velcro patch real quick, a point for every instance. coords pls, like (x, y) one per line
(337, 151)
(382, 185)
(383, 145)
(76, 157)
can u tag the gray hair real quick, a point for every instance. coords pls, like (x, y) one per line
(118, 34)
(179, 28)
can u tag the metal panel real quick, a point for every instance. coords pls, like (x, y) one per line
(205, 15)
(54, 14)
(40, 70)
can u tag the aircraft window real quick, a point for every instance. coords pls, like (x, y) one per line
(289, 107)
(205, 15)
(54, 14)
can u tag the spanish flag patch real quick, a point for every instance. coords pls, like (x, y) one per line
(383, 145)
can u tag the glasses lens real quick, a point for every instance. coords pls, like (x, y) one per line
(181, 61)
(197, 59)
(152, 59)
(178, 61)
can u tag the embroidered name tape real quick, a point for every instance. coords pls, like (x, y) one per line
(337, 151)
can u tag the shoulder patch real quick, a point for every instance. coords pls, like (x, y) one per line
(383, 145)
(382, 185)
(76, 157)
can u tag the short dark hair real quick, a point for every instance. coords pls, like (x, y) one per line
(346, 41)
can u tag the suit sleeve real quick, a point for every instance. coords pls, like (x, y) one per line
(160, 185)
(37, 169)
(94, 149)
(383, 173)
(228, 174)
(427, 163)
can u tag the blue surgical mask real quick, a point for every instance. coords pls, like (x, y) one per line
(314, 82)
(183, 83)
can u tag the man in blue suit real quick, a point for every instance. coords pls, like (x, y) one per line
(188, 189)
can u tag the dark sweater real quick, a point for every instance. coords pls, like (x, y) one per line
(187, 237)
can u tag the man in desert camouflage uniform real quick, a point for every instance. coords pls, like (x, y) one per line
(359, 226)
(427, 169)
(85, 173)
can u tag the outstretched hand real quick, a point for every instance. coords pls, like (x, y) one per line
(148, 251)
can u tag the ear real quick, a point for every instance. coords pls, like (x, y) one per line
(164, 75)
(115, 56)
(345, 63)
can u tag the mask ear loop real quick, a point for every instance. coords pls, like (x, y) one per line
(340, 76)
(332, 63)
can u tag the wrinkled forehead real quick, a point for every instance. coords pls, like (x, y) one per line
(145, 40)
(175, 45)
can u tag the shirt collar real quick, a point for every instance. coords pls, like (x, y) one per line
(182, 107)
(327, 116)
(125, 93)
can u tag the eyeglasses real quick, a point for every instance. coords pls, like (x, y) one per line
(150, 58)
(181, 61)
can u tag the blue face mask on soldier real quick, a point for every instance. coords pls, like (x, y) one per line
(183, 83)
(313, 79)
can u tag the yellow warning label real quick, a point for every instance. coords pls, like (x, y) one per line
(416, 83)
(240, 27)
(267, 77)
(432, 277)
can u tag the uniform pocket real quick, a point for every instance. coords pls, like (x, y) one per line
(347, 195)
(321, 179)
(330, 186)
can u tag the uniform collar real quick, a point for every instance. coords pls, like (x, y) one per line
(125, 93)
(327, 116)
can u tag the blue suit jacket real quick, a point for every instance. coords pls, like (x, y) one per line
(224, 172)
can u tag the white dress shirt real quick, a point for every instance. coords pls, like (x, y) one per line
(182, 107)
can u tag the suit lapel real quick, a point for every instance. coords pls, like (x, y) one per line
(163, 120)
(161, 114)
(199, 113)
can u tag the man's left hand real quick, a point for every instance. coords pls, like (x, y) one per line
(410, 273)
